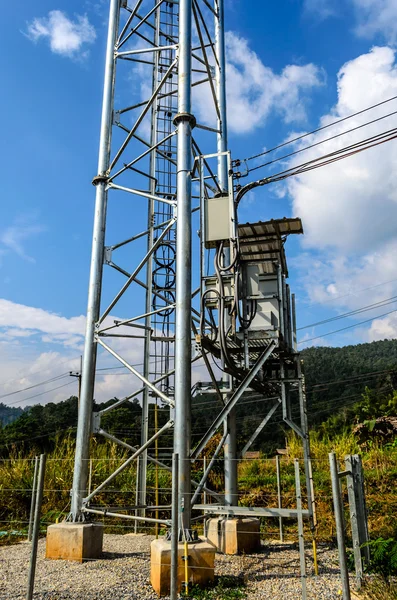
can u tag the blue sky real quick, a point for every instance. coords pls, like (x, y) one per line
(293, 65)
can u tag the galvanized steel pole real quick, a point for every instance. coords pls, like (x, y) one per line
(33, 501)
(36, 527)
(302, 558)
(174, 529)
(184, 122)
(220, 74)
(340, 533)
(80, 476)
(231, 488)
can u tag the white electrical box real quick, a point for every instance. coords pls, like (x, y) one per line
(218, 217)
(263, 288)
(213, 290)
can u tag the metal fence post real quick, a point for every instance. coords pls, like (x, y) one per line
(33, 500)
(338, 510)
(300, 529)
(358, 563)
(36, 527)
(174, 529)
(362, 516)
(280, 519)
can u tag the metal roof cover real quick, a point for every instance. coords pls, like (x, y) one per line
(264, 241)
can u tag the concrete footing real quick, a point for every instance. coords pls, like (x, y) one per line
(74, 541)
(200, 565)
(234, 536)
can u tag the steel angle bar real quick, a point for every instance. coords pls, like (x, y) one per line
(128, 22)
(145, 50)
(129, 460)
(288, 513)
(211, 43)
(123, 335)
(208, 469)
(143, 193)
(294, 427)
(142, 389)
(154, 461)
(107, 513)
(260, 427)
(129, 321)
(214, 178)
(161, 33)
(171, 93)
(141, 22)
(148, 145)
(148, 383)
(138, 158)
(234, 399)
(136, 271)
(142, 115)
(139, 235)
(207, 65)
(206, 128)
(211, 8)
(139, 282)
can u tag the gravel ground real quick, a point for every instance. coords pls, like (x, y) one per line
(123, 573)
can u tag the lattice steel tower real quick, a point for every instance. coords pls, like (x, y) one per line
(164, 172)
(147, 155)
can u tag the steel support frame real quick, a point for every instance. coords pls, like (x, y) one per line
(110, 179)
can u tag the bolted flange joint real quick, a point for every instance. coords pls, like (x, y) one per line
(181, 117)
(100, 179)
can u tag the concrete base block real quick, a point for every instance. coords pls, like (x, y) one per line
(201, 565)
(74, 541)
(234, 536)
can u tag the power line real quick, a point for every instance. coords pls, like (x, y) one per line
(315, 163)
(300, 137)
(344, 152)
(353, 312)
(34, 386)
(270, 162)
(371, 287)
(348, 327)
(41, 393)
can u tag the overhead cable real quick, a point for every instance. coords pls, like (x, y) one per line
(352, 312)
(304, 135)
(348, 327)
(320, 161)
(328, 139)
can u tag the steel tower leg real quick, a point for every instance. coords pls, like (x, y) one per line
(141, 483)
(184, 122)
(231, 490)
(80, 477)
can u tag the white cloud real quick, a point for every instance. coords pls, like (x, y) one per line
(376, 17)
(349, 209)
(352, 204)
(25, 317)
(254, 91)
(13, 238)
(65, 36)
(372, 17)
(321, 8)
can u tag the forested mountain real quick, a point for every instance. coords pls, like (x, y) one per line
(8, 414)
(344, 386)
